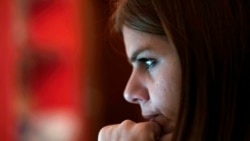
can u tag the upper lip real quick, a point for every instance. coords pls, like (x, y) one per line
(150, 116)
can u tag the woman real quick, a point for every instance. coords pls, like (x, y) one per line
(190, 70)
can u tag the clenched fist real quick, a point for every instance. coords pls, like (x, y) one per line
(130, 131)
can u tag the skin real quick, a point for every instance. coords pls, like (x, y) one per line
(154, 84)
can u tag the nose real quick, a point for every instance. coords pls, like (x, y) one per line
(136, 90)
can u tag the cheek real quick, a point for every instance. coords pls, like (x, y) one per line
(165, 94)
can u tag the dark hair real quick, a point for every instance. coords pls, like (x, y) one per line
(129, 13)
(212, 39)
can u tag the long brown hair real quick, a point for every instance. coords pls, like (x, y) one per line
(212, 39)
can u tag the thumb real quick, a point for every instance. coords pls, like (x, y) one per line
(156, 128)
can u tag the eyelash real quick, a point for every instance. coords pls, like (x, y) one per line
(148, 62)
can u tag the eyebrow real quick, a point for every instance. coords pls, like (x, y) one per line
(137, 53)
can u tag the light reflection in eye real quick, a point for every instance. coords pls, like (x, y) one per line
(148, 62)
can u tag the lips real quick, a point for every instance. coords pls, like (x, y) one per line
(166, 124)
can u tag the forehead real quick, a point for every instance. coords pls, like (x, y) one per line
(136, 40)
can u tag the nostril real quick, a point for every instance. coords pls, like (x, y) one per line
(136, 100)
(128, 97)
(131, 98)
(136, 90)
(136, 97)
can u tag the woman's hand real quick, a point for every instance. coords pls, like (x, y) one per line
(130, 131)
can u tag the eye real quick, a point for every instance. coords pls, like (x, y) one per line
(149, 63)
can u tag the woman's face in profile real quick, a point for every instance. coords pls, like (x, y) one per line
(155, 81)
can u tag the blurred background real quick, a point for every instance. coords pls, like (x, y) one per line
(61, 78)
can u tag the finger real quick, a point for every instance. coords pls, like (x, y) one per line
(166, 137)
(107, 133)
(155, 129)
(130, 131)
(116, 132)
(147, 131)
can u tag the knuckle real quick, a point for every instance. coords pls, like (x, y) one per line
(127, 123)
(107, 132)
(103, 130)
(101, 134)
